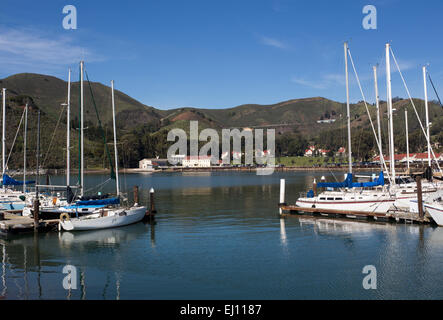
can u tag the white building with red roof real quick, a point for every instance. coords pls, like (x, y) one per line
(197, 161)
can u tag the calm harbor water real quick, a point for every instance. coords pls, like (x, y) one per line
(218, 236)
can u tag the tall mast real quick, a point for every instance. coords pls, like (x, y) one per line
(82, 165)
(4, 133)
(38, 155)
(407, 138)
(347, 108)
(115, 140)
(377, 102)
(427, 115)
(68, 132)
(391, 122)
(24, 148)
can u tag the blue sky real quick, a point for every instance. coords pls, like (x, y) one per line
(220, 54)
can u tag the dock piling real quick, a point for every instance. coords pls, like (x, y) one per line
(135, 195)
(151, 199)
(419, 198)
(282, 195)
(36, 214)
(314, 187)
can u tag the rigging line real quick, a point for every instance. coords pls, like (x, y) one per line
(415, 109)
(99, 185)
(369, 115)
(53, 135)
(101, 128)
(15, 138)
(333, 174)
(429, 76)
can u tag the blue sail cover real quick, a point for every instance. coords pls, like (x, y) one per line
(345, 184)
(379, 182)
(100, 202)
(349, 184)
(8, 181)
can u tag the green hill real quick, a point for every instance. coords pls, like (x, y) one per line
(142, 129)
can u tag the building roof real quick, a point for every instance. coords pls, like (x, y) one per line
(198, 158)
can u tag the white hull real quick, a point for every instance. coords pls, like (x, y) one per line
(381, 206)
(95, 221)
(436, 212)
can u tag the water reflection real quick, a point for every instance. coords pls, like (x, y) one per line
(222, 238)
(32, 264)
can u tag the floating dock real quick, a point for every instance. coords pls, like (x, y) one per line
(390, 216)
(12, 223)
(394, 216)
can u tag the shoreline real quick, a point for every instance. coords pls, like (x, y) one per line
(44, 172)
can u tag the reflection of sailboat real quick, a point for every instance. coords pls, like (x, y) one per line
(108, 237)
(334, 226)
(25, 260)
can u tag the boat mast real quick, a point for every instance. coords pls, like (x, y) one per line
(4, 134)
(24, 148)
(391, 122)
(68, 129)
(115, 140)
(407, 138)
(427, 115)
(82, 183)
(348, 108)
(38, 155)
(377, 102)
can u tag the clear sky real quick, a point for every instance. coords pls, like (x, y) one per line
(219, 54)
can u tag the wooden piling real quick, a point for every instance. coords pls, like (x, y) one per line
(419, 197)
(135, 194)
(151, 199)
(36, 214)
(282, 195)
(314, 187)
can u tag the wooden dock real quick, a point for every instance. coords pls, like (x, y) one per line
(393, 216)
(18, 224)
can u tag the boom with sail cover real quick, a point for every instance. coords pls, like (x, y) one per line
(349, 184)
(8, 181)
(98, 202)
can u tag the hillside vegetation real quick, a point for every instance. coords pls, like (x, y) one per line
(142, 129)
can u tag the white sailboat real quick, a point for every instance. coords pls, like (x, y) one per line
(106, 217)
(371, 197)
(11, 199)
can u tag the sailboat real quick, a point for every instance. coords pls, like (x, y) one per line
(367, 196)
(52, 207)
(11, 199)
(109, 217)
(373, 196)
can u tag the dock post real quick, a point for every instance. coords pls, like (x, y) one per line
(282, 195)
(314, 187)
(151, 199)
(36, 214)
(419, 198)
(135, 195)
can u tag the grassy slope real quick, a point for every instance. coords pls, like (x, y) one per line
(49, 92)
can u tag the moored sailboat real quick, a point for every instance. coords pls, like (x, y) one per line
(109, 217)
